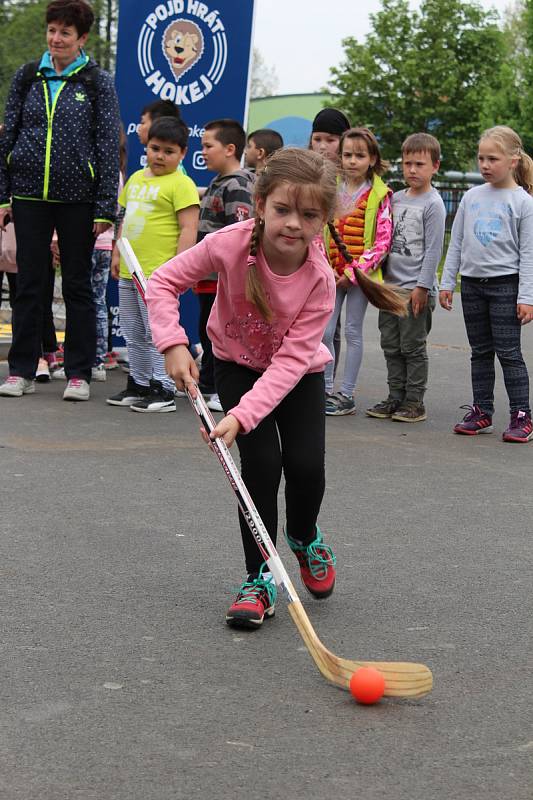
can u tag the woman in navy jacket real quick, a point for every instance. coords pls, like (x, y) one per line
(59, 168)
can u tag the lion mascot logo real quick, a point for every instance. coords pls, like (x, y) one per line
(183, 45)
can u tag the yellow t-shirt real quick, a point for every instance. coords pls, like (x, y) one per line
(150, 222)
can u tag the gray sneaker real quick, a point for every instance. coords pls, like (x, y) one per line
(98, 373)
(15, 386)
(383, 410)
(77, 389)
(337, 405)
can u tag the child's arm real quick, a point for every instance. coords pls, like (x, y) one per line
(115, 254)
(372, 258)
(188, 223)
(434, 225)
(524, 308)
(453, 260)
(164, 287)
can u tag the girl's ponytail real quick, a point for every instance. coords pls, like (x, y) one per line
(523, 173)
(383, 297)
(255, 291)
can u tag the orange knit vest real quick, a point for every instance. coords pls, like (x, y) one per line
(351, 230)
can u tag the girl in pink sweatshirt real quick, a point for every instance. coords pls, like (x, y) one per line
(275, 295)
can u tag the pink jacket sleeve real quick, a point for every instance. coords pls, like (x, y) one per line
(163, 290)
(372, 258)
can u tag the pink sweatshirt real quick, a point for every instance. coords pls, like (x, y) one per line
(284, 350)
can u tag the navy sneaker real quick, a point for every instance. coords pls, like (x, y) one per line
(129, 395)
(337, 405)
(474, 421)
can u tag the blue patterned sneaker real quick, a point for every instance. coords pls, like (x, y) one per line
(474, 421)
(337, 405)
(520, 428)
(255, 601)
(317, 564)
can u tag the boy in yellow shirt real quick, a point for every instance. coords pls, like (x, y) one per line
(161, 220)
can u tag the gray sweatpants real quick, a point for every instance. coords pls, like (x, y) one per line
(403, 341)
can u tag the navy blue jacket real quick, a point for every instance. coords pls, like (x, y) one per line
(66, 150)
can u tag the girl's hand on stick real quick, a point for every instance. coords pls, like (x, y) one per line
(524, 313)
(227, 429)
(181, 367)
(446, 299)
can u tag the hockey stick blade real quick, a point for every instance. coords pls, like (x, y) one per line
(402, 679)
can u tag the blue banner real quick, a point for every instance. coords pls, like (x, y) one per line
(195, 54)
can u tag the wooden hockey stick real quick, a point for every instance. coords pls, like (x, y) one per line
(402, 679)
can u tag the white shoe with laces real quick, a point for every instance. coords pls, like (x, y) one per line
(16, 386)
(77, 389)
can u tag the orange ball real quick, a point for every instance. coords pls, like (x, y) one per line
(367, 685)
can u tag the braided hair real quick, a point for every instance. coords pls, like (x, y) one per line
(383, 297)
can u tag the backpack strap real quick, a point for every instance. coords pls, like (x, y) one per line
(29, 76)
(87, 76)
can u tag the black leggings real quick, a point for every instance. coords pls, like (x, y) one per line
(290, 439)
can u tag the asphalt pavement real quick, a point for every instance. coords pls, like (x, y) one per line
(120, 552)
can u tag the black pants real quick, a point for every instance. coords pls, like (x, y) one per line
(207, 369)
(35, 222)
(49, 341)
(49, 330)
(291, 439)
(11, 284)
(489, 309)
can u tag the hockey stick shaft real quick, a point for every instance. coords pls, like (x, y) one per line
(246, 504)
(137, 275)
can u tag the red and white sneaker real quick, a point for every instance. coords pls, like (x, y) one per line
(317, 565)
(255, 601)
(520, 428)
(474, 421)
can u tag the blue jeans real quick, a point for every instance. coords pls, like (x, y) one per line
(356, 303)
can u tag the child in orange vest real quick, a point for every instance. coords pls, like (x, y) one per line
(366, 232)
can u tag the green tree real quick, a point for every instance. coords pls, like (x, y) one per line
(512, 99)
(429, 70)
